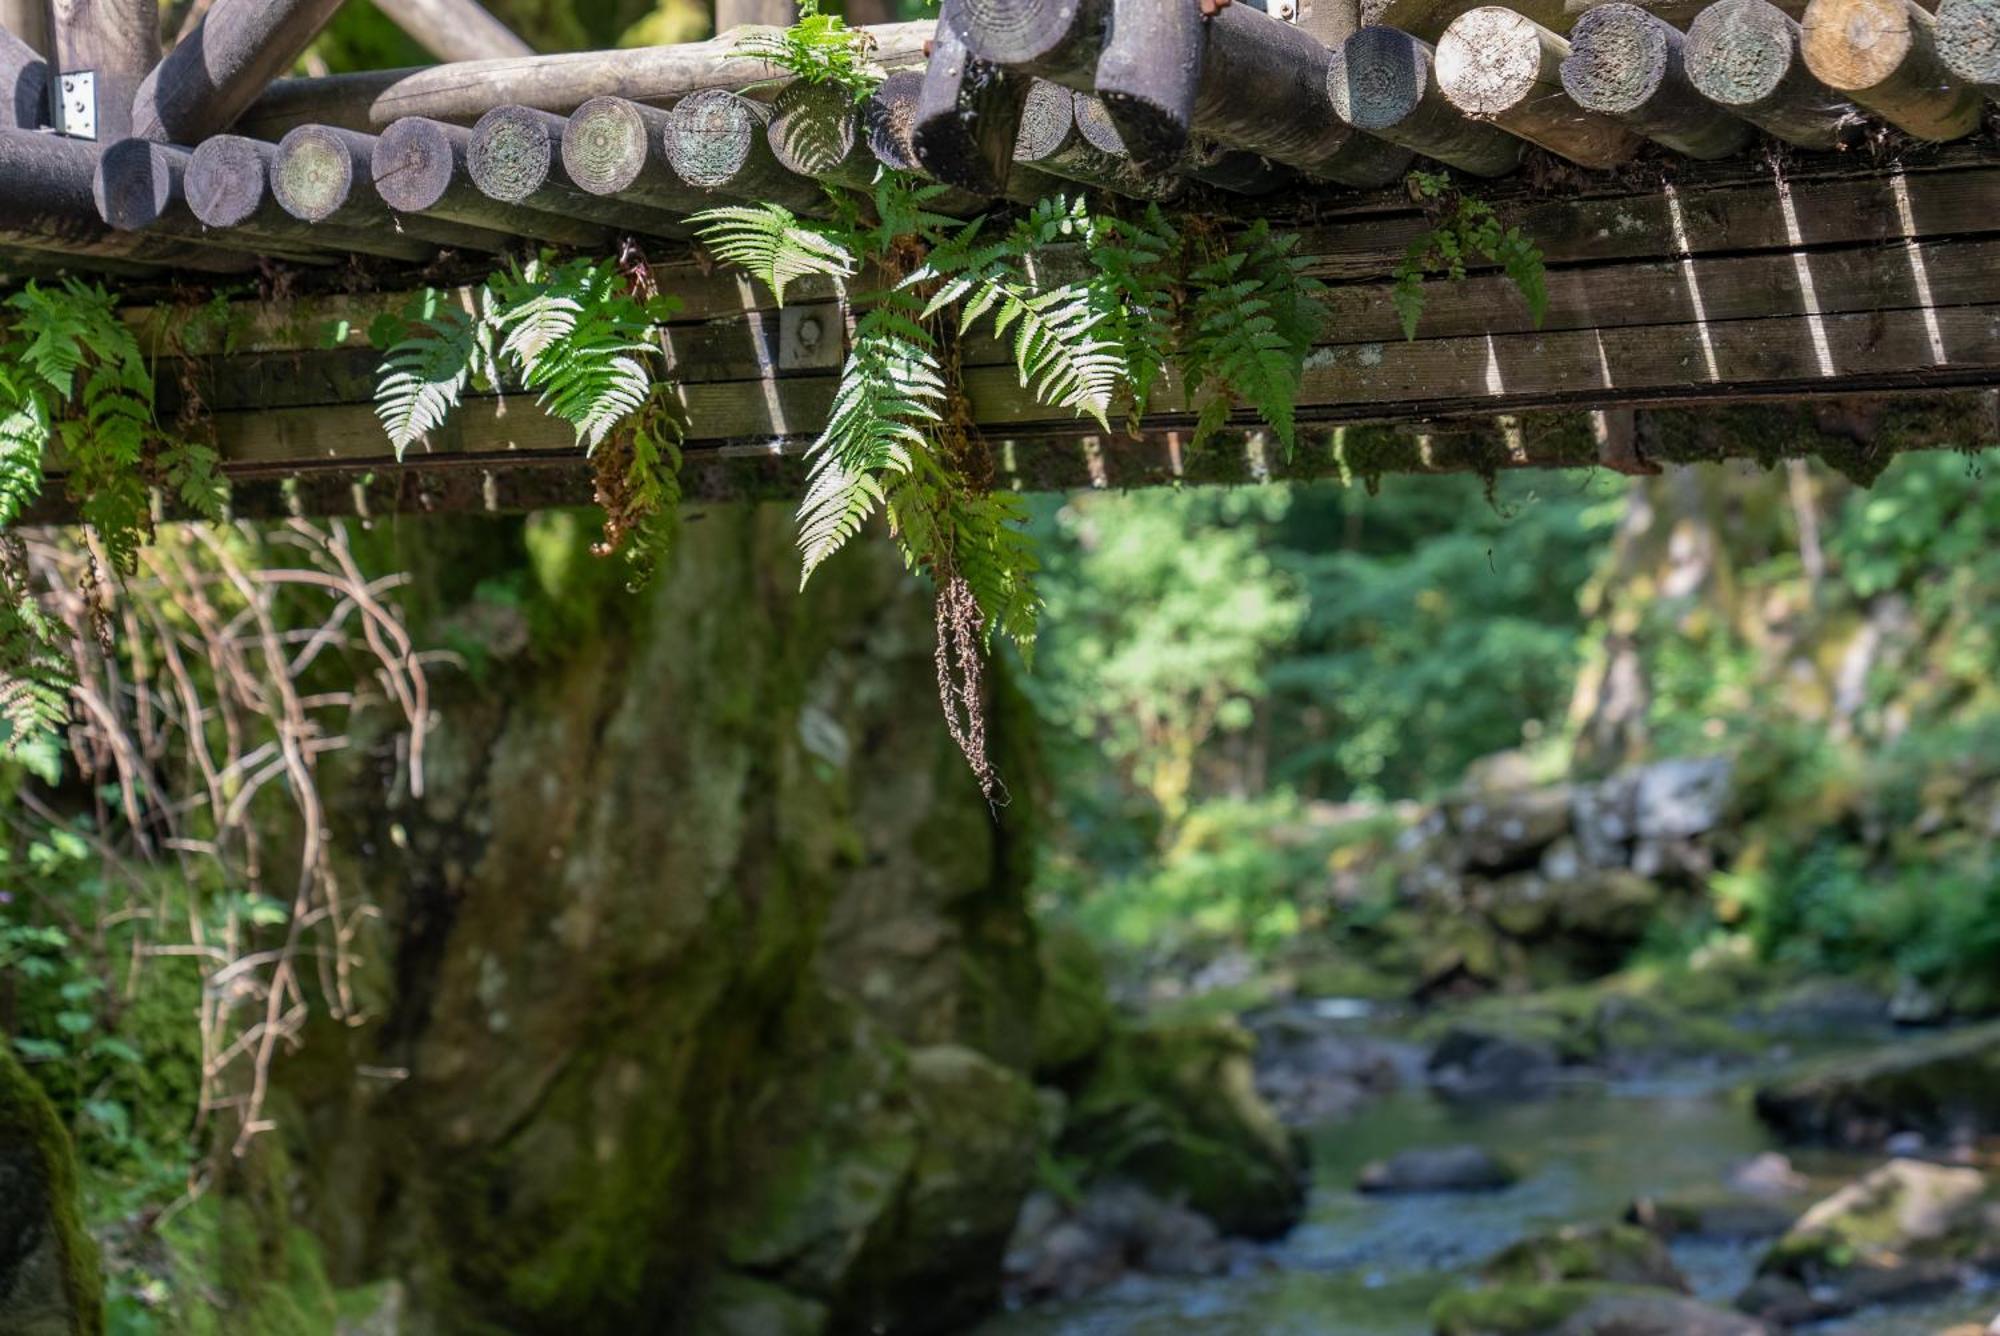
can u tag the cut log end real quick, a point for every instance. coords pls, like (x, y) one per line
(1489, 61)
(890, 120)
(709, 136)
(605, 146)
(1048, 122)
(815, 130)
(1968, 36)
(413, 164)
(1378, 77)
(1025, 32)
(225, 181)
(1740, 52)
(1619, 57)
(314, 174)
(137, 183)
(511, 152)
(1855, 45)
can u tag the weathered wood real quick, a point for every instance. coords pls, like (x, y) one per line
(1149, 76)
(618, 148)
(889, 120)
(28, 22)
(455, 29)
(1383, 81)
(716, 141)
(1052, 142)
(1428, 19)
(207, 80)
(816, 131)
(228, 187)
(967, 117)
(463, 92)
(1883, 54)
(24, 84)
(515, 155)
(117, 42)
(324, 175)
(1331, 21)
(1496, 65)
(49, 205)
(419, 166)
(1625, 63)
(1968, 40)
(1201, 160)
(140, 187)
(1743, 55)
(770, 13)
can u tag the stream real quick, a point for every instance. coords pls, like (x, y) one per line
(1371, 1266)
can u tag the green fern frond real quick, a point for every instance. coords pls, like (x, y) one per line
(771, 243)
(24, 440)
(819, 48)
(1252, 322)
(424, 377)
(35, 674)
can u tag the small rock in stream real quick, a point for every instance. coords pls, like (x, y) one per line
(1438, 1169)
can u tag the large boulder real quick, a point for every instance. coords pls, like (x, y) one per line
(1620, 1254)
(1483, 1064)
(1437, 1169)
(1906, 1229)
(49, 1281)
(1073, 1010)
(1946, 1089)
(1175, 1109)
(1587, 1308)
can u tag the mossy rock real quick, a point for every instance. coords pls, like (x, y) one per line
(1621, 1254)
(1583, 1308)
(1176, 1109)
(1906, 1210)
(50, 1284)
(1073, 1011)
(1944, 1088)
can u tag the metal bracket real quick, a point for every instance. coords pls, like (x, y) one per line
(810, 337)
(75, 111)
(1287, 10)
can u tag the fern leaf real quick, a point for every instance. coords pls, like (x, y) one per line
(424, 377)
(772, 244)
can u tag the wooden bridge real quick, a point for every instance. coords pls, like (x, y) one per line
(1772, 233)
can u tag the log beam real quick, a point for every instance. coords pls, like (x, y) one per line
(890, 121)
(49, 205)
(1743, 55)
(228, 188)
(718, 141)
(1883, 54)
(420, 167)
(967, 118)
(1052, 142)
(463, 92)
(1625, 62)
(816, 131)
(207, 80)
(515, 155)
(1150, 75)
(1496, 65)
(140, 186)
(28, 22)
(1384, 81)
(455, 29)
(1201, 160)
(115, 43)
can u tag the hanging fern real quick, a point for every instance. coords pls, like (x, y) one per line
(1247, 331)
(772, 244)
(35, 676)
(425, 375)
(1464, 228)
(818, 48)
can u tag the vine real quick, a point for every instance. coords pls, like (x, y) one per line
(1463, 227)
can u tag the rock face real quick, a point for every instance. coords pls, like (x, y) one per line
(1175, 1109)
(1946, 1089)
(1907, 1229)
(704, 993)
(49, 1282)
(1437, 1169)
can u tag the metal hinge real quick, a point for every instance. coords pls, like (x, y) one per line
(75, 111)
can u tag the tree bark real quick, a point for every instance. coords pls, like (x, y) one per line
(1625, 62)
(455, 29)
(1383, 81)
(1743, 55)
(1883, 54)
(116, 42)
(1496, 65)
(207, 80)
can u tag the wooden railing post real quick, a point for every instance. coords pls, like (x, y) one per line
(101, 51)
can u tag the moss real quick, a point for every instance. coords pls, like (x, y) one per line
(1516, 1310)
(1073, 1010)
(1622, 1254)
(41, 1206)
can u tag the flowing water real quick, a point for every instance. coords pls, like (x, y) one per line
(1371, 1266)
